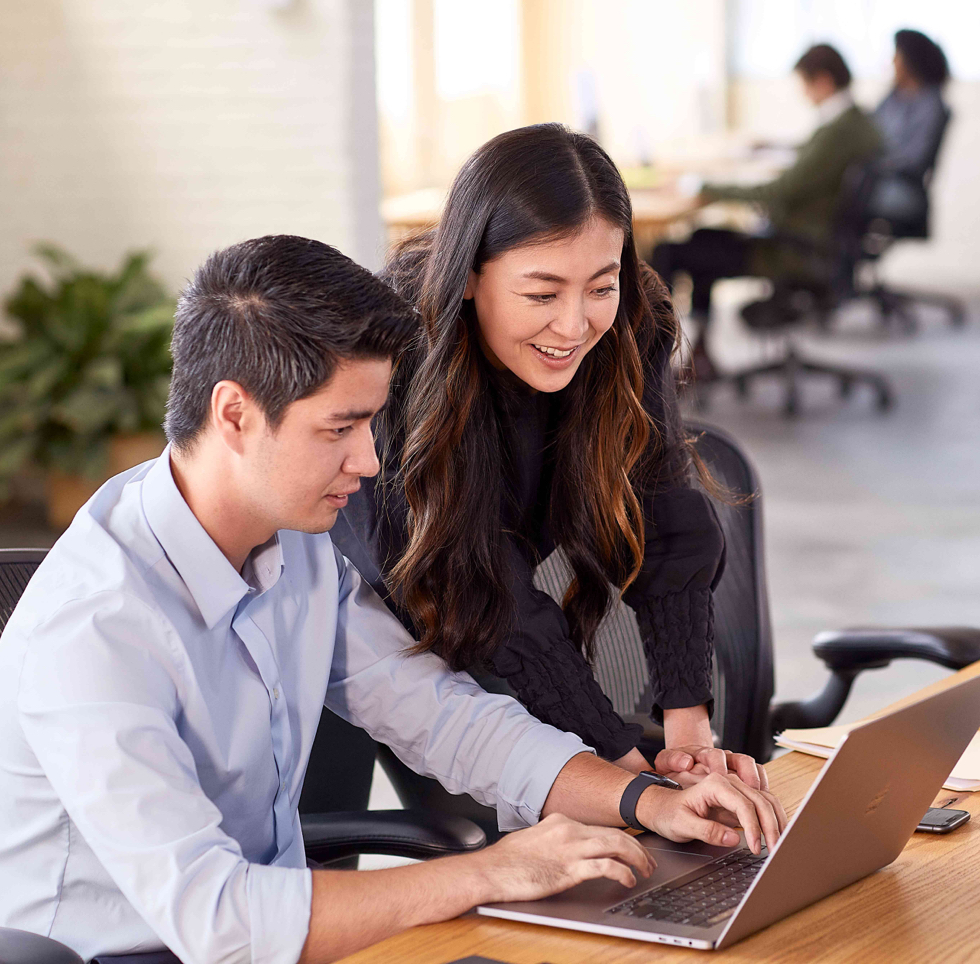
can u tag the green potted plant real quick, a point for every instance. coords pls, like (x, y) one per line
(83, 384)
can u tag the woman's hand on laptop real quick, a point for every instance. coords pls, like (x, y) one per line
(559, 853)
(709, 808)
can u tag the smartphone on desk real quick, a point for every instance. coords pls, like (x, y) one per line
(941, 820)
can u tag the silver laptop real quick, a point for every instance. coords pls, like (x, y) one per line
(856, 818)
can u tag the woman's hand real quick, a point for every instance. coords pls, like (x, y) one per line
(691, 753)
(690, 763)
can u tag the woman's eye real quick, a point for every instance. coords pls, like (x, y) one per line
(541, 299)
(604, 292)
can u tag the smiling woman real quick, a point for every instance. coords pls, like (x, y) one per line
(537, 412)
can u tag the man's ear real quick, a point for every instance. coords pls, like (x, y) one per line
(469, 291)
(233, 413)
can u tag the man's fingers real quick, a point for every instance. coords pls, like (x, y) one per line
(599, 842)
(765, 811)
(735, 799)
(689, 826)
(606, 867)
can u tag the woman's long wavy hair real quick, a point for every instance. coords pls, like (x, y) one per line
(523, 187)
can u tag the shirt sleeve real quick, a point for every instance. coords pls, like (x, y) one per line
(440, 723)
(98, 699)
(683, 543)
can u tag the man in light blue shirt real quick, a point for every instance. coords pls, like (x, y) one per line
(162, 678)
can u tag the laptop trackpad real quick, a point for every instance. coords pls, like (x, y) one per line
(597, 894)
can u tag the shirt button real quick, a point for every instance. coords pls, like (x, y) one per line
(275, 692)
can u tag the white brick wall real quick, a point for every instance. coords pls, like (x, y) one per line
(184, 125)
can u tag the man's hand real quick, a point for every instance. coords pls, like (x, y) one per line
(558, 853)
(708, 809)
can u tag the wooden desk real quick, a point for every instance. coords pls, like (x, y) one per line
(654, 210)
(923, 907)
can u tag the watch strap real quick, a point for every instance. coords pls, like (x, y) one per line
(631, 796)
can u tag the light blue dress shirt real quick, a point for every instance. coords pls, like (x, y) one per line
(157, 710)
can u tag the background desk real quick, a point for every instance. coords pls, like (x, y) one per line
(923, 907)
(654, 210)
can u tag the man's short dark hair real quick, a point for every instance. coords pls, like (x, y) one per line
(276, 314)
(824, 59)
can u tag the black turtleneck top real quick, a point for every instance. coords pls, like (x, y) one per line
(683, 558)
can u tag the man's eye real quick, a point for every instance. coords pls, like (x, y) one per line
(341, 432)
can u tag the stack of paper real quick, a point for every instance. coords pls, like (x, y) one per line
(823, 741)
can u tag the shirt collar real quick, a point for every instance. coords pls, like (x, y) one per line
(210, 578)
(834, 106)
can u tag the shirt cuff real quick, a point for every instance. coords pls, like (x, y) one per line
(531, 769)
(279, 904)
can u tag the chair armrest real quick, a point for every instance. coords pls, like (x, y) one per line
(397, 833)
(23, 947)
(848, 652)
(951, 646)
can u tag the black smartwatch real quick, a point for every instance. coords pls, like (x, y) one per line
(631, 795)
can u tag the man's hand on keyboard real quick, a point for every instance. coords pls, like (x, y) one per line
(708, 809)
(558, 853)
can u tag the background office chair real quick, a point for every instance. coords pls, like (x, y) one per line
(337, 826)
(831, 273)
(744, 719)
(882, 229)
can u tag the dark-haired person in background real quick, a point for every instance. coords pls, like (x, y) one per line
(802, 201)
(162, 678)
(911, 119)
(537, 412)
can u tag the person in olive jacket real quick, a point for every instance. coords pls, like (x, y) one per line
(537, 411)
(801, 203)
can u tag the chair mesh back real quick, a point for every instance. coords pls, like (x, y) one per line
(16, 568)
(742, 670)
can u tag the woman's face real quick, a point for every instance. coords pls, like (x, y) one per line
(542, 307)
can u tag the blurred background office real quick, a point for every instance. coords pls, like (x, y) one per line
(176, 127)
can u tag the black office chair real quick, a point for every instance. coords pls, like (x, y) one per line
(744, 718)
(882, 230)
(337, 826)
(830, 281)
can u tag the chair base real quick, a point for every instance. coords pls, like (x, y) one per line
(793, 367)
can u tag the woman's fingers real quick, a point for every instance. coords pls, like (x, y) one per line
(747, 770)
(674, 760)
(714, 759)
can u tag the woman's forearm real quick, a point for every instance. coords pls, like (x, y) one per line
(687, 726)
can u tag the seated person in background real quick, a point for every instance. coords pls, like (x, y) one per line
(911, 119)
(162, 678)
(802, 201)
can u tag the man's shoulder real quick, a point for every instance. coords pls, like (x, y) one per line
(104, 553)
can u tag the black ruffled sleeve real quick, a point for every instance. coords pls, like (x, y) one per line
(684, 545)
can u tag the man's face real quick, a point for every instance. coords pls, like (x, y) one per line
(301, 474)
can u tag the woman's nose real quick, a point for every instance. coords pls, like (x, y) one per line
(571, 323)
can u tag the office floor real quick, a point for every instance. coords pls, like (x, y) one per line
(870, 519)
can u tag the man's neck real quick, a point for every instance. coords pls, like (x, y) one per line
(209, 491)
(830, 108)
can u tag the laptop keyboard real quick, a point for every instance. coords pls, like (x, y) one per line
(704, 901)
